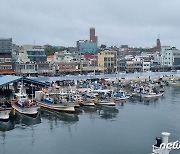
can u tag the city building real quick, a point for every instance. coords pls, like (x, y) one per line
(93, 37)
(146, 65)
(167, 55)
(5, 45)
(6, 66)
(107, 60)
(36, 55)
(32, 60)
(176, 58)
(65, 56)
(33, 68)
(90, 46)
(85, 46)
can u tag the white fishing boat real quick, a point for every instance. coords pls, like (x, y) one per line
(23, 104)
(151, 95)
(46, 101)
(4, 112)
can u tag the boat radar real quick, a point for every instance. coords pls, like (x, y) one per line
(158, 148)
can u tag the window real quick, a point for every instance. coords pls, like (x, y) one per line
(7, 59)
(29, 67)
(105, 64)
(21, 66)
(6, 67)
(1, 60)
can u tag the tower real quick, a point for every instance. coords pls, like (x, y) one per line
(93, 37)
(158, 43)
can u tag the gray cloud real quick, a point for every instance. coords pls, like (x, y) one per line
(63, 22)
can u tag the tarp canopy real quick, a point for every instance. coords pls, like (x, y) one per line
(7, 79)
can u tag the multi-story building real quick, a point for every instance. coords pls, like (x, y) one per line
(107, 60)
(6, 56)
(176, 58)
(90, 45)
(65, 56)
(146, 65)
(36, 55)
(32, 60)
(170, 56)
(85, 46)
(29, 68)
(5, 45)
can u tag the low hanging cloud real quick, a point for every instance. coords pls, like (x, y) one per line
(63, 22)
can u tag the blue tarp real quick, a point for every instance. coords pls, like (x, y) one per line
(6, 79)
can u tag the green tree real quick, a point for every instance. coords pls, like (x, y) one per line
(49, 50)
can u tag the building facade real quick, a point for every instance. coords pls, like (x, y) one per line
(37, 55)
(87, 47)
(107, 60)
(170, 56)
(5, 45)
(6, 66)
(93, 37)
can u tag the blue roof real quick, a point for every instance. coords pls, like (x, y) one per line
(6, 79)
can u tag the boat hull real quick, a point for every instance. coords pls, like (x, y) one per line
(56, 107)
(121, 98)
(151, 95)
(91, 104)
(106, 103)
(29, 111)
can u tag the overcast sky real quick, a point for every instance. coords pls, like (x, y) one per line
(63, 22)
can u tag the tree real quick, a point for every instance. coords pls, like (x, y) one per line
(49, 50)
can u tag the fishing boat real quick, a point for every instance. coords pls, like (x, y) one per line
(106, 102)
(146, 92)
(47, 101)
(151, 95)
(88, 99)
(121, 95)
(87, 103)
(23, 104)
(5, 110)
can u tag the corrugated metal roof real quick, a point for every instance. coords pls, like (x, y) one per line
(6, 79)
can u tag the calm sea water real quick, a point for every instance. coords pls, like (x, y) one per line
(129, 129)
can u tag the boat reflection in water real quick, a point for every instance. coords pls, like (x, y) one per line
(147, 101)
(89, 110)
(27, 120)
(6, 126)
(62, 116)
(108, 113)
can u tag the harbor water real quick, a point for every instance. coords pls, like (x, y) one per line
(131, 128)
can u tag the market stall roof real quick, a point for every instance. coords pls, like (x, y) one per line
(7, 79)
